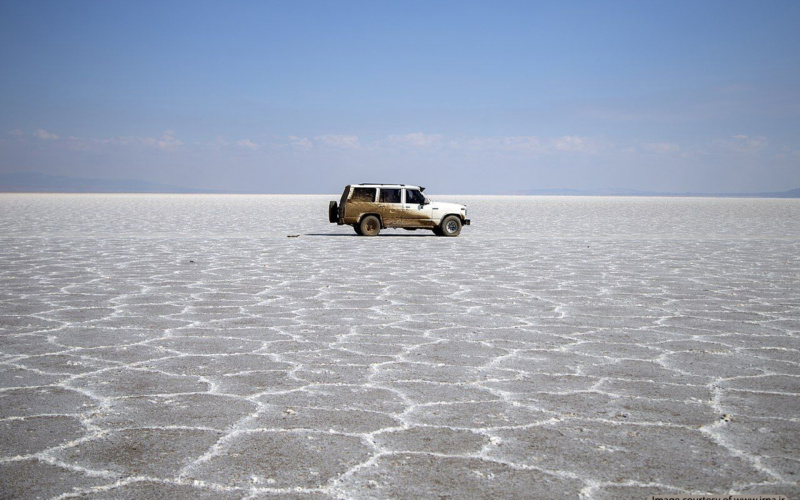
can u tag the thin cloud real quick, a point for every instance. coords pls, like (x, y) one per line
(662, 147)
(529, 143)
(300, 143)
(45, 135)
(339, 141)
(415, 139)
(746, 144)
(571, 143)
(247, 144)
(168, 141)
(525, 144)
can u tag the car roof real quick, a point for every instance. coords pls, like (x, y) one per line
(376, 184)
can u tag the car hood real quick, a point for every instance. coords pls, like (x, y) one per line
(447, 207)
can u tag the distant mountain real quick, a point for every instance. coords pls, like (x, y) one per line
(794, 193)
(33, 182)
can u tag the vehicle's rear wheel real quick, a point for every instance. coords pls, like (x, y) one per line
(451, 226)
(357, 227)
(333, 211)
(370, 226)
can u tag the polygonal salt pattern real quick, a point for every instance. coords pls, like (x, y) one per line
(170, 346)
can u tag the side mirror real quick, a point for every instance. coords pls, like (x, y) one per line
(426, 202)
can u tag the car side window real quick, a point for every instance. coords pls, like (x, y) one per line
(363, 194)
(390, 196)
(414, 197)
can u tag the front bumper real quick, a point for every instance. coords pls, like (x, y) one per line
(465, 222)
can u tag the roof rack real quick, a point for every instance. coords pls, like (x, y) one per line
(421, 188)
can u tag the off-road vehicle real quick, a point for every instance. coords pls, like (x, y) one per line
(372, 207)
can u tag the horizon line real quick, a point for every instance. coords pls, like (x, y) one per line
(789, 194)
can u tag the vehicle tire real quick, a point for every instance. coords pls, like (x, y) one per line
(451, 226)
(370, 226)
(333, 212)
(357, 227)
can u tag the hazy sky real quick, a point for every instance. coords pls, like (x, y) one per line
(463, 97)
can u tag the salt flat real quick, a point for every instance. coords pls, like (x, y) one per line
(181, 346)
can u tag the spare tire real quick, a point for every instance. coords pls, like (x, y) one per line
(333, 212)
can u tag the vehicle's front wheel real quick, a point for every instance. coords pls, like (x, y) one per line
(370, 226)
(451, 226)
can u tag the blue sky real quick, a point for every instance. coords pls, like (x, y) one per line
(463, 97)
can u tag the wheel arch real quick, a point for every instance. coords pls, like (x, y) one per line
(448, 215)
(380, 219)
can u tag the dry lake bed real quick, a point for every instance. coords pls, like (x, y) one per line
(181, 346)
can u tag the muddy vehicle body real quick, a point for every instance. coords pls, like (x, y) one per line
(368, 208)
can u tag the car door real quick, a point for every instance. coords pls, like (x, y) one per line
(416, 209)
(390, 206)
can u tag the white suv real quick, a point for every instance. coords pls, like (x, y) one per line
(372, 207)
